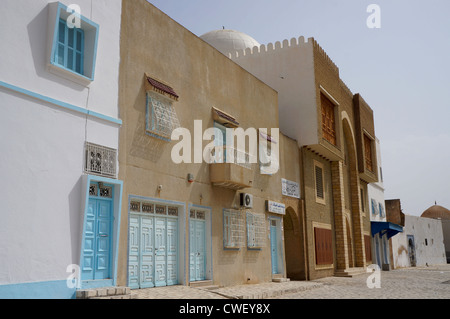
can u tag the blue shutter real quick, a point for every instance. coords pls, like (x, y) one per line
(70, 50)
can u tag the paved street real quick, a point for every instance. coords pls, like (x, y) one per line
(412, 283)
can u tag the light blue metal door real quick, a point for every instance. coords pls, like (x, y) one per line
(172, 251)
(134, 252)
(274, 246)
(146, 252)
(153, 246)
(197, 249)
(141, 252)
(160, 252)
(96, 262)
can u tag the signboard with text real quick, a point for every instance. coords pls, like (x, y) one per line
(276, 208)
(289, 188)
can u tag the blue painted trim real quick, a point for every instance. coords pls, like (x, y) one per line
(61, 104)
(281, 268)
(38, 290)
(208, 208)
(116, 227)
(94, 25)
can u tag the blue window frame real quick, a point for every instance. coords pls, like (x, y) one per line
(70, 51)
(374, 207)
(73, 51)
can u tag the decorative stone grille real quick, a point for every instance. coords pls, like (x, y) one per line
(101, 160)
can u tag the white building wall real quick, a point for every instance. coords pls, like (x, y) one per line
(375, 191)
(44, 125)
(288, 67)
(446, 233)
(428, 242)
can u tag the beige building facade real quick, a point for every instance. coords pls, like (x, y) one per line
(335, 133)
(185, 223)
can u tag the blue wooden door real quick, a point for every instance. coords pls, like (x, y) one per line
(134, 252)
(160, 252)
(96, 263)
(172, 251)
(153, 246)
(146, 252)
(197, 249)
(274, 246)
(141, 252)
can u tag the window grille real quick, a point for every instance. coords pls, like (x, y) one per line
(101, 160)
(147, 208)
(319, 182)
(233, 228)
(328, 119)
(172, 211)
(368, 153)
(256, 230)
(161, 117)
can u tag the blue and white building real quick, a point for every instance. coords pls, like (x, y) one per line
(60, 199)
(381, 229)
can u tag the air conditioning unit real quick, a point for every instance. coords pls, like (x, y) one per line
(246, 200)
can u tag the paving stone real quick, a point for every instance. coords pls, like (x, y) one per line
(410, 283)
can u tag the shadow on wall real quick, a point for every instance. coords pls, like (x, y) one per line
(143, 145)
(38, 37)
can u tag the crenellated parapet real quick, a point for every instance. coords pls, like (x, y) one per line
(284, 45)
(272, 47)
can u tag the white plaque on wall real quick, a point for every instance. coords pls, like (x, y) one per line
(289, 188)
(276, 208)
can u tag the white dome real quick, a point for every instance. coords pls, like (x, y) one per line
(227, 41)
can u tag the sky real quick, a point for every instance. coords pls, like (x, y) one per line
(402, 70)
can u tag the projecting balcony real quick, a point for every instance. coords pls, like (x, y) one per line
(235, 175)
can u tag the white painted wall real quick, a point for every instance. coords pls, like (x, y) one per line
(289, 69)
(431, 252)
(42, 158)
(376, 190)
(446, 233)
(24, 36)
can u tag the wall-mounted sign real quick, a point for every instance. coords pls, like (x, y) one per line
(276, 208)
(289, 188)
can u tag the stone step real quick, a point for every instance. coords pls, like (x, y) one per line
(105, 293)
(350, 272)
(280, 280)
(201, 284)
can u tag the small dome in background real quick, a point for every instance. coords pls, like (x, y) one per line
(436, 212)
(227, 41)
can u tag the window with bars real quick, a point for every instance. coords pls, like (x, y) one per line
(323, 246)
(70, 51)
(319, 182)
(368, 153)
(161, 118)
(100, 160)
(256, 230)
(328, 119)
(363, 200)
(233, 229)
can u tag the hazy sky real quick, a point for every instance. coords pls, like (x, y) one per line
(402, 70)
